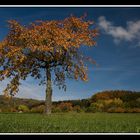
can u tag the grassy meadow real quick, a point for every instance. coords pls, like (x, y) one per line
(70, 123)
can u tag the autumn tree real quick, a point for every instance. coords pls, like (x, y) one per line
(43, 48)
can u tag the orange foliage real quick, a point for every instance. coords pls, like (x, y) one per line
(65, 107)
(116, 110)
(45, 45)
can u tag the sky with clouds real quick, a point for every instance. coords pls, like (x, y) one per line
(117, 52)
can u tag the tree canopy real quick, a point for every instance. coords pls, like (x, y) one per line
(51, 44)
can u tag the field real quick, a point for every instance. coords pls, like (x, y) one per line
(70, 122)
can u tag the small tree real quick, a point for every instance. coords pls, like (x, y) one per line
(43, 48)
(77, 108)
(23, 108)
(38, 109)
(65, 107)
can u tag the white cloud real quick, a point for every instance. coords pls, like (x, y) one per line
(130, 33)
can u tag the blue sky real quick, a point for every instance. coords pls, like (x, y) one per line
(117, 52)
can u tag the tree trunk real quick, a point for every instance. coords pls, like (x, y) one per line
(48, 102)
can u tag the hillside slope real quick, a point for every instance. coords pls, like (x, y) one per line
(128, 99)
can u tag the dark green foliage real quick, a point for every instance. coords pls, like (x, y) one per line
(90, 109)
(132, 104)
(82, 103)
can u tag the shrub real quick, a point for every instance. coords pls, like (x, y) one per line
(116, 110)
(13, 110)
(23, 108)
(6, 109)
(116, 102)
(38, 109)
(97, 106)
(132, 110)
(90, 109)
(132, 104)
(104, 105)
(77, 108)
(56, 110)
(138, 100)
(65, 107)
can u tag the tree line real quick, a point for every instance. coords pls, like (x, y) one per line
(119, 101)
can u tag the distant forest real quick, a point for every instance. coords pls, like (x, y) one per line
(116, 101)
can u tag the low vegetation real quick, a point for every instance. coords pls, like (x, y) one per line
(70, 122)
(108, 111)
(107, 101)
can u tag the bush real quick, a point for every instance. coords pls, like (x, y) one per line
(56, 110)
(132, 110)
(132, 104)
(13, 110)
(77, 108)
(116, 110)
(23, 108)
(116, 103)
(104, 105)
(97, 106)
(6, 109)
(90, 110)
(138, 100)
(65, 107)
(38, 109)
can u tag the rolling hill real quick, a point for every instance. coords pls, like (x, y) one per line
(131, 99)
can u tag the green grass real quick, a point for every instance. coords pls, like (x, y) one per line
(70, 122)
